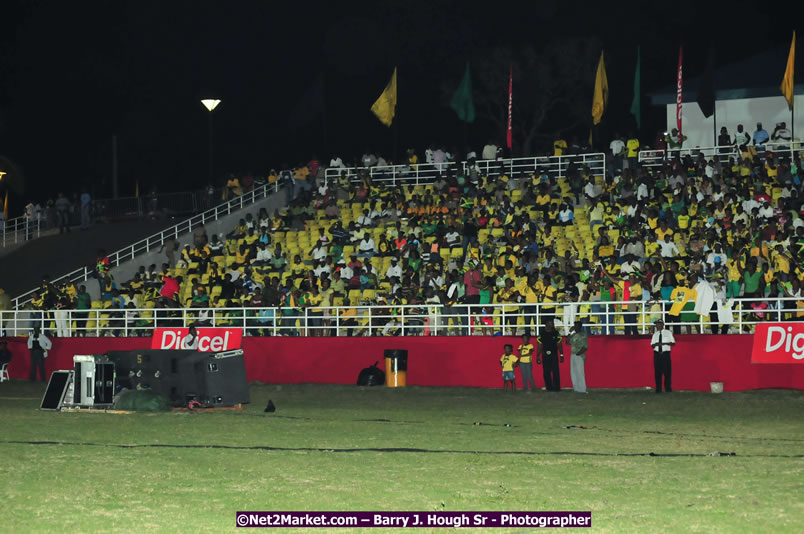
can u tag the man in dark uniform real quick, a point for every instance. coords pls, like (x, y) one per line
(551, 351)
(661, 342)
(39, 344)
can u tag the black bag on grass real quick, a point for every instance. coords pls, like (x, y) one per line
(371, 376)
(144, 400)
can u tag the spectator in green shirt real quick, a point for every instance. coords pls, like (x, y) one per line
(753, 279)
(83, 302)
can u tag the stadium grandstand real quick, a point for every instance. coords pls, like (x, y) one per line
(710, 239)
(330, 266)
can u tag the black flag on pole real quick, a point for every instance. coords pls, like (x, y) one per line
(706, 90)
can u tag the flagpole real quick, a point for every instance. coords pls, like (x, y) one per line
(324, 113)
(714, 124)
(396, 136)
(465, 142)
(396, 122)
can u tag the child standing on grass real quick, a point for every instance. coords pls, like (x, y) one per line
(525, 366)
(508, 361)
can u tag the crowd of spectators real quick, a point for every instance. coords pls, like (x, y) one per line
(473, 243)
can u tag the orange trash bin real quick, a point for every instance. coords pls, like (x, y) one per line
(396, 368)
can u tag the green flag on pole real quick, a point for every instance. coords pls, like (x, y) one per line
(462, 101)
(636, 103)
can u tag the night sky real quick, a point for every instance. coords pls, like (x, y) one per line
(73, 74)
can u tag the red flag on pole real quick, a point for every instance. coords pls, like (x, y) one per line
(509, 135)
(679, 86)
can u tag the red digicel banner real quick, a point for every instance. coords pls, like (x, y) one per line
(209, 339)
(778, 343)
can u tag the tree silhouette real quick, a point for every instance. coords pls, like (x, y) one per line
(552, 89)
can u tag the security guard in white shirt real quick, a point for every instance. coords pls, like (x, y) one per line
(39, 344)
(661, 342)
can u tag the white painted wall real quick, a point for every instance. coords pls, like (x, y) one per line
(730, 113)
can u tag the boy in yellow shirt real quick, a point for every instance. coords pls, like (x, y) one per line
(507, 361)
(525, 351)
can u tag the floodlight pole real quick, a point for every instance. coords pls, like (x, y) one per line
(211, 104)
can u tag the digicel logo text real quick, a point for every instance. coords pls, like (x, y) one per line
(778, 343)
(209, 339)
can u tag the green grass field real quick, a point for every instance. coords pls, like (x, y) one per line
(349, 448)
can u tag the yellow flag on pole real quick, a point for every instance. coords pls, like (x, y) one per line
(601, 95)
(787, 81)
(385, 106)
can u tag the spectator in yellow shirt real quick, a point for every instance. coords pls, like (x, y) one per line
(781, 263)
(662, 231)
(683, 219)
(681, 296)
(507, 361)
(631, 151)
(348, 317)
(559, 146)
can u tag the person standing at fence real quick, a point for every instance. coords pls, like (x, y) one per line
(61, 314)
(579, 344)
(38, 344)
(551, 351)
(662, 341)
(63, 213)
(683, 298)
(525, 351)
(86, 206)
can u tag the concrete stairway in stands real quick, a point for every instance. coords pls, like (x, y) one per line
(54, 255)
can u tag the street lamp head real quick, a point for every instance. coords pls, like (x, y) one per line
(210, 103)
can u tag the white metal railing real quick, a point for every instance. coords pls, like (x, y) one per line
(157, 240)
(656, 158)
(423, 173)
(785, 147)
(20, 229)
(635, 317)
